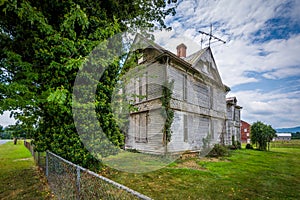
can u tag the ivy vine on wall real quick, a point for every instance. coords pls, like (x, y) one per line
(167, 111)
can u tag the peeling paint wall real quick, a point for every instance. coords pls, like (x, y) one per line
(198, 101)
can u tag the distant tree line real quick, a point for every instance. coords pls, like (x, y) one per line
(12, 131)
(296, 135)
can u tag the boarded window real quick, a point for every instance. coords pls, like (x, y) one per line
(142, 88)
(237, 115)
(211, 97)
(141, 127)
(145, 87)
(202, 94)
(185, 128)
(185, 92)
(136, 90)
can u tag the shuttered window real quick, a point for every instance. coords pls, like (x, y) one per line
(141, 88)
(141, 127)
(185, 92)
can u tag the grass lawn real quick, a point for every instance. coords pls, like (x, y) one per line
(247, 174)
(131, 162)
(19, 177)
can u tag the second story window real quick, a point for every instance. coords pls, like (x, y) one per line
(185, 89)
(141, 88)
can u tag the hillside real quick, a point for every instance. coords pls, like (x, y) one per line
(288, 130)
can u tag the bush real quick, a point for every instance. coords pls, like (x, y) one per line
(218, 151)
(249, 146)
(238, 145)
(133, 150)
(231, 147)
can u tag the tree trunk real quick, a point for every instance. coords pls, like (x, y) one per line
(15, 140)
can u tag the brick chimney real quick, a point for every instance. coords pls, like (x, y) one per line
(181, 50)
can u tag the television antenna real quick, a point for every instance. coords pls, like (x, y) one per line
(211, 36)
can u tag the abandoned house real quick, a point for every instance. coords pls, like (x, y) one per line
(197, 100)
(233, 121)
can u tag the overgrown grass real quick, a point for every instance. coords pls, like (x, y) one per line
(19, 177)
(247, 174)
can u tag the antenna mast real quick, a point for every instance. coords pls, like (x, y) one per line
(210, 36)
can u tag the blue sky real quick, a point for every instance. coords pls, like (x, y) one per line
(261, 59)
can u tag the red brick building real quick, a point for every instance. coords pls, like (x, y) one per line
(245, 132)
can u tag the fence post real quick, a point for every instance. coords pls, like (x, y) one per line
(47, 165)
(39, 159)
(78, 181)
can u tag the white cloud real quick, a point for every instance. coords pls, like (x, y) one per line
(237, 22)
(239, 19)
(277, 109)
(5, 119)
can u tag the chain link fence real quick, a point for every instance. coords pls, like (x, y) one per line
(70, 181)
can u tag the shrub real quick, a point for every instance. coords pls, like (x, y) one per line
(133, 150)
(238, 145)
(218, 151)
(231, 147)
(249, 146)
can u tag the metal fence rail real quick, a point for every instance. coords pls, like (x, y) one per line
(39, 157)
(70, 181)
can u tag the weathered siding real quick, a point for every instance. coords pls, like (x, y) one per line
(198, 101)
(197, 127)
(154, 140)
(233, 123)
(145, 82)
(219, 100)
(197, 93)
(177, 76)
(202, 94)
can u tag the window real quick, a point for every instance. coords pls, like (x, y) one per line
(245, 130)
(145, 90)
(185, 128)
(211, 97)
(141, 88)
(185, 87)
(141, 127)
(136, 90)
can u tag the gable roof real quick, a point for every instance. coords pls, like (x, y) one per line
(205, 57)
(190, 62)
(192, 59)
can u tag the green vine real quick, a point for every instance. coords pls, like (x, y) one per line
(167, 111)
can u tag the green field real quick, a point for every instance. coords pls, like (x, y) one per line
(19, 177)
(246, 174)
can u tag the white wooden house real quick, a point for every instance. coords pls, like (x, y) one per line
(233, 121)
(198, 99)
